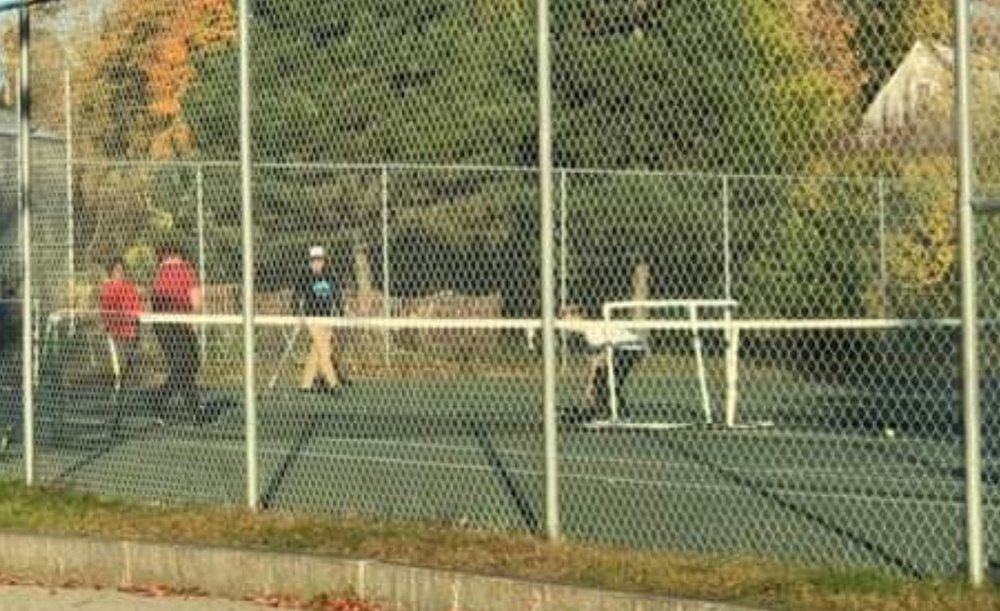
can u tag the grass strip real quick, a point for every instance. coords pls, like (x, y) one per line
(747, 581)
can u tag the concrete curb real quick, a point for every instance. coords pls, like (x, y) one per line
(237, 573)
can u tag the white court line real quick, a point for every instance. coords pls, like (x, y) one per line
(653, 462)
(891, 497)
(241, 448)
(601, 478)
(797, 471)
(810, 495)
(914, 474)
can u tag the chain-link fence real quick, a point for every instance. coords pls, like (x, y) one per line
(753, 228)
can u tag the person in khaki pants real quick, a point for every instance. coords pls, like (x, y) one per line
(317, 295)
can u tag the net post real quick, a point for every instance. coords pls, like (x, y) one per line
(732, 333)
(706, 402)
(609, 369)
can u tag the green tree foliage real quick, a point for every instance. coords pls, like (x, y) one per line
(733, 86)
(738, 86)
(426, 82)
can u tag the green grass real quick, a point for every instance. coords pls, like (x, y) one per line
(738, 580)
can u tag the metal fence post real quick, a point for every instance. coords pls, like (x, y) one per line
(200, 202)
(883, 274)
(27, 337)
(548, 273)
(727, 239)
(970, 335)
(71, 218)
(386, 290)
(246, 191)
(563, 259)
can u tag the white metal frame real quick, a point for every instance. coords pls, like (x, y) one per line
(691, 309)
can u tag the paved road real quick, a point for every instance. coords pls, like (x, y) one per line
(30, 598)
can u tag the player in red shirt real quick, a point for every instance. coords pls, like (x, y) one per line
(120, 308)
(121, 305)
(176, 290)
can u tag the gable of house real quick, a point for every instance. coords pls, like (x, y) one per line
(915, 103)
(922, 80)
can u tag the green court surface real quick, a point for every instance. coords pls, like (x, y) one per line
(469, 451)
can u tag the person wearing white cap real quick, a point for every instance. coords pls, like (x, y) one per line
(317, 295)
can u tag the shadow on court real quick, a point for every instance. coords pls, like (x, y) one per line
(765, 492)
(298, 433)
(307, 431)
(516, 494)
(96, 424)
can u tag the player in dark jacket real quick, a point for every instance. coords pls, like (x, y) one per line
(317, 295)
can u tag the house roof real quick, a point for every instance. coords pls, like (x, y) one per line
(946, 56)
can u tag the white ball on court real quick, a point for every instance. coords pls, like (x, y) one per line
(889, 432)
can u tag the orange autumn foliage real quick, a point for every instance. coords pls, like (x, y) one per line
(196, 25)
(827, 30)
(161, 39)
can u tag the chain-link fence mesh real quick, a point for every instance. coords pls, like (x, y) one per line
(755, 247)
(984, 112)
(10, 305)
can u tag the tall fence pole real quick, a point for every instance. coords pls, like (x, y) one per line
(548, 273)
(386, 290)
(18, 153)
(882, 262)
(246, 191)
(27, 338)
(70, 211)
(970, 335)
(727, 239)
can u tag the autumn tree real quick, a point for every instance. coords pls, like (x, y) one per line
(134, 75)
(128, 86)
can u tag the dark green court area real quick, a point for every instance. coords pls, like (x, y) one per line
(850, 489)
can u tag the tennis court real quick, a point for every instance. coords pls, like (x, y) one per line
(468, 451)
(442, 186)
